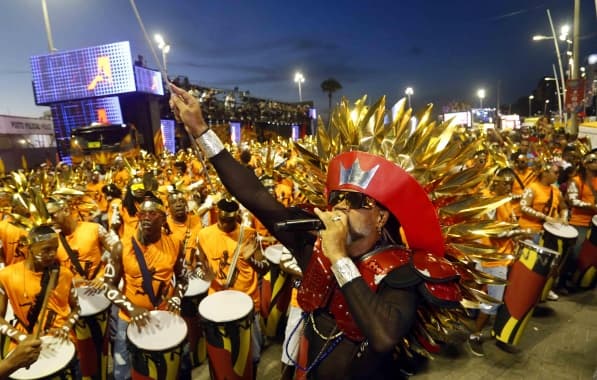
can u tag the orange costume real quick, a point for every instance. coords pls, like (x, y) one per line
(86, 244)
(10, 236)
(179, 232)
(581, 216)
(526, 177)
(219, 247)
(95, 191)
(546, 199)
(160, 258)
(22, 286)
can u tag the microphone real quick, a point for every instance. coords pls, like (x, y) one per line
(310, 224)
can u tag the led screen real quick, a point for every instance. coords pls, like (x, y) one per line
(70, 115)
(85, 73)
(149, 81)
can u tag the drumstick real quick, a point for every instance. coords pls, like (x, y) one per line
(44, 304)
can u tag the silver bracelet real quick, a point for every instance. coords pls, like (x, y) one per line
(345, 271)
(210, 143)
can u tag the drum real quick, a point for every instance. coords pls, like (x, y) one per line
(56, 361)
(156, 349)
(90, 329)
(275, 292)
(561, 238)
(584, 276)
(196, 291)
(526, 280)
(226, 318)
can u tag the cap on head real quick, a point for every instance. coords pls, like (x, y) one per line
(151, 204)
(43, 233)
(228, 207)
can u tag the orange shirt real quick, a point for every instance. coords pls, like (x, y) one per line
(85, 242)
(22, 285)
(219, 247)
(581, 216)
(95, 191)
(10, 236)
(179, 231)
(541, 195)
(160, 258)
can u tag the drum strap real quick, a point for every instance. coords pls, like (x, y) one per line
(72, 255)
(548, 204)
(147, 287)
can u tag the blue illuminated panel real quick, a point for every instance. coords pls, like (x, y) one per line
(84, 73)
(235, 132)
(69, 115)
(149, 81)
(168, 135)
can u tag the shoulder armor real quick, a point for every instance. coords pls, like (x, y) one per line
(443, 295)
(433, 268)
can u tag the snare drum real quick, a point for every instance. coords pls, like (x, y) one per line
(56, 361)
(226, 318)
(584, 276)
(156, 349)
(196, 291)
(526, 279)
(561, 238)
(90, 329)
(275, 292)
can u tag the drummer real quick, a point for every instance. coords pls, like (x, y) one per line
(542, 202)
(82, 244)
(23, 285)
(581, 196)
(501, 185)
(220, 243)
(150, 263)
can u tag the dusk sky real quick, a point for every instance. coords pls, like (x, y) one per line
(445, 50)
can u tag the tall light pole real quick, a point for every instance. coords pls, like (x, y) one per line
(545, 107)
(44, 9)
(558, 57)
(299, 79)
(165, 49)
(575, 60)
(409, 92)
(481, 96)
(531, 97)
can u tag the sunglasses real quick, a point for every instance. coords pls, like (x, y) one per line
(353, 199)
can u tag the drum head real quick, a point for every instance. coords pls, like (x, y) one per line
(55, 356)
(91, 304)
(196, 286)
(274, 252)
(538, 248)
(165, 330)
(225, 306)
(561, 230)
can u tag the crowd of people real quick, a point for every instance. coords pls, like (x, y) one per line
(94, 256)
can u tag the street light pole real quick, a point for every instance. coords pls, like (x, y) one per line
(575, 59)
(531, 97)
(559, 57)
(409, 92)
(44, 9)
(299, 78)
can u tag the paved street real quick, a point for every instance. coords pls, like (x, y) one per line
(560, 342)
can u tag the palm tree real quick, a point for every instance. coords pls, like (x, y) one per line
(330, 86)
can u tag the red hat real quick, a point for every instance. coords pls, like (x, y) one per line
(395, 189)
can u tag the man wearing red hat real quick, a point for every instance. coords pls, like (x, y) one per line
(359, 295)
